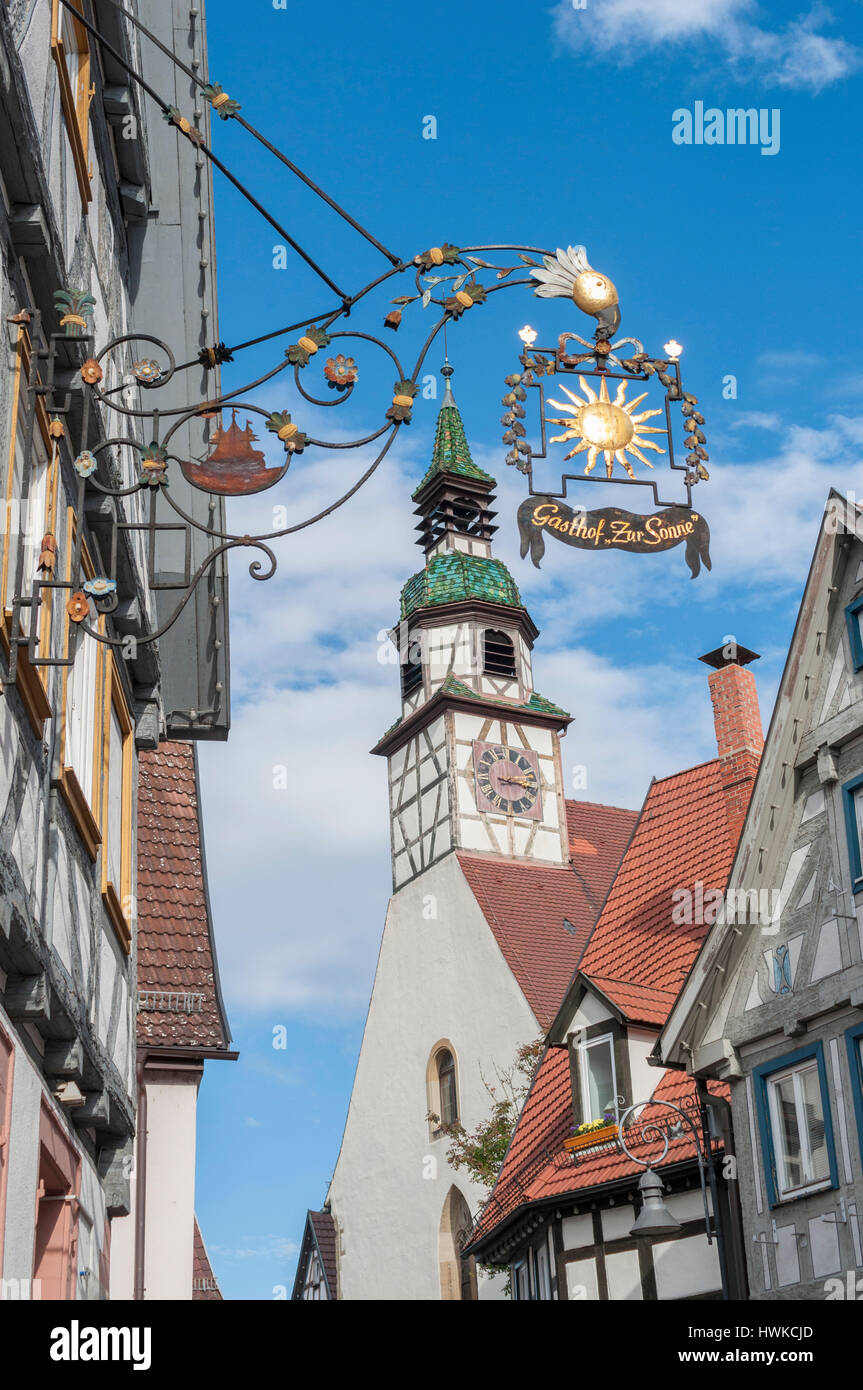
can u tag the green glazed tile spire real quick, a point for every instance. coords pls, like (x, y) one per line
(454, 576)
(451, 453)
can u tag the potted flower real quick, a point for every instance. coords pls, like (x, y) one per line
(593, 1133)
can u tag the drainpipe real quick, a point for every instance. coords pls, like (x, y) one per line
(710, 1160)
(735, 1252)
(140, 1179)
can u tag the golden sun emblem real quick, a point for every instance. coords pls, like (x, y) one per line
(606, 427)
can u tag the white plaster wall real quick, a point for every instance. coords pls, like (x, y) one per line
(436, 978)
(645, 1079)
(123, 1254)
(170, 1217)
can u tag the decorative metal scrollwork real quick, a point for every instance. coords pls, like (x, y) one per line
(123, 380)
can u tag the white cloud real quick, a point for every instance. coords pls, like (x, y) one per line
(755, 420)
(797, 56)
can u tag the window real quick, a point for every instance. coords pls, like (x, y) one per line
(28, 522)
(81, 742)
(521, 1282)
(853, 615)
(796, 1130)
(446, 1085)
(70, 48)
(442, 1089)
(854, 1043)
(852, 796)
(542, 1281)
(412, 670)
(116, 802)
(498, 654)
(597, 1076)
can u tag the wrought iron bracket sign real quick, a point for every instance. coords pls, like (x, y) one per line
(126, 448)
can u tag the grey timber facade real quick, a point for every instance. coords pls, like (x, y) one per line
(774, 1003)
(98, 193)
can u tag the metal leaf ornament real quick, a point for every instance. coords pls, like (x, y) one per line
(300, 352)
(437, 255)
(403, 399)
(154, 465)
(221, 103)
(283, 427)
(75, 308)
(464, 299)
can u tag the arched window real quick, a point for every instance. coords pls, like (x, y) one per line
(498, 653)
(447, 1088)
(442, 1089)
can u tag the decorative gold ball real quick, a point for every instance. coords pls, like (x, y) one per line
(436, 255)
(593, 292)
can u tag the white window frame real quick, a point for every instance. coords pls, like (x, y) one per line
(584, 1079)
(784, 1190)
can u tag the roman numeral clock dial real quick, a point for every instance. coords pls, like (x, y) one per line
(507, 780)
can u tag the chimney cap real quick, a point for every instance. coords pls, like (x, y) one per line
(719, 658)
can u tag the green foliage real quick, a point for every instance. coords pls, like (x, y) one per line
(481, 1151)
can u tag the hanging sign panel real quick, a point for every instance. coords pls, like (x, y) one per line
(612, 528)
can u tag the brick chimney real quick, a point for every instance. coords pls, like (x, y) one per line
(737, 719)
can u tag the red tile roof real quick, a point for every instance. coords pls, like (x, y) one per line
(541, 916)
(319, 1237)
(638, 958)
(204, 1282)
(637, 955)
(324, 1228)
(537, 1166)
(178, 983)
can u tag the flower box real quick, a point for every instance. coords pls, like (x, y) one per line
(591, 1139)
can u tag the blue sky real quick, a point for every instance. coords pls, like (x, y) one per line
(554, 127)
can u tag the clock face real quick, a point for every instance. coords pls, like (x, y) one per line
(507, 780)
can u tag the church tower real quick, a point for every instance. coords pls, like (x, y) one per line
(474, 758)
(497, 881)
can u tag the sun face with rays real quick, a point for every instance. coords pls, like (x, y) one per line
(606, 427)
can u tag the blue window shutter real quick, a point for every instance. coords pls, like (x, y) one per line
(852, 619)
(849, 792)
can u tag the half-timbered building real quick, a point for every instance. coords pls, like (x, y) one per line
(773, 1006)
(563, 1210)
(106, 233)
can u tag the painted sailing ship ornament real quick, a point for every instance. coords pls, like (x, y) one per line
(232, 466)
